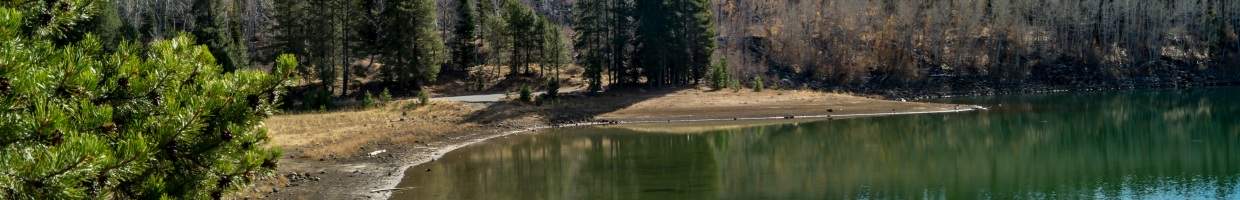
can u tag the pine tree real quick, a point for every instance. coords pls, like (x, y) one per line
(590, 39)
(522, 23)
(554, 50)
(218, 28)
(493, 32)
(719, 76)
(107, 26)
(165, 121)
(700, 28)
(413, 55)
(368, 34)
(621, 35)
(464, 47)
(292, 31)
(671, 40)
(654, 41)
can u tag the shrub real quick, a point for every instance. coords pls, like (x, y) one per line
(164, 121)
(525, 94)
(368, 100)
(317, 98)
(385, 96)
(553, 88)
(424, 97)
(735, 85)
(719, 75)
(757, 84)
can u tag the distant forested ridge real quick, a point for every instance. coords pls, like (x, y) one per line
(964, 44)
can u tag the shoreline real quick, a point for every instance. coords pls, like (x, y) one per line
(391, 182)
(365, 153)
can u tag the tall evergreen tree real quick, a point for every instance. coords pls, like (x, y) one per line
(654, 40)
(367, 34)
(554, 50)
(413, 55)
(292, 31)
(323, 42)
(700, 39)
(464, 41)
(664, 42)
(522, 23)
(217, 26)
(493, 32)
(589, 42)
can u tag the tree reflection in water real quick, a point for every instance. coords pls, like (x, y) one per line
(1120, 145)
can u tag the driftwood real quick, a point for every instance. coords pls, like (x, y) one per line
(392, 189)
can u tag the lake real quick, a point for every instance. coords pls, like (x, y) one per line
(1127, 145)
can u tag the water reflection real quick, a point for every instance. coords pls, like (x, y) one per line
(1129, 145)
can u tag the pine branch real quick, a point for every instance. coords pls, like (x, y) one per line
(79, 162)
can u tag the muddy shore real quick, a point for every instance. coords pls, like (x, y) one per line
(331, 156)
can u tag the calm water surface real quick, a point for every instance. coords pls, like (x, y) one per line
(1127, 145)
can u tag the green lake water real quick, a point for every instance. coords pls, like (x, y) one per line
(1125, 145)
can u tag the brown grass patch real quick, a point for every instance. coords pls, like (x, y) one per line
(345, 133)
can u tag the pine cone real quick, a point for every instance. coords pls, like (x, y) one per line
(269, 163)
(171, 149)
(4, 85)
(108, 128)
(227, 136)
(56, 138)
(155, 97)
(252, 100)
(224, 181)
(122, 83)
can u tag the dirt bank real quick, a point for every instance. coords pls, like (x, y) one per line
(362, 154)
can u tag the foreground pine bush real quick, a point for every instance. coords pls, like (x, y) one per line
(141, 123)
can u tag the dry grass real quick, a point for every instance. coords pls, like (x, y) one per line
(699, 104)
(344, 133)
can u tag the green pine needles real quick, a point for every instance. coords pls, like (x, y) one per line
(160, 121)
(719, 76)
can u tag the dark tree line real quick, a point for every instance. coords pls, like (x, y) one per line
(401, 44)
(223, 25)
(400, 35)
(652, 42)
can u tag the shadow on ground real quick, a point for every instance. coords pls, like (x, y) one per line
(569, 108)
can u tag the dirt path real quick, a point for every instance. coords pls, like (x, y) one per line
(362, 154)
